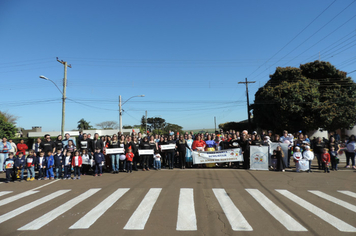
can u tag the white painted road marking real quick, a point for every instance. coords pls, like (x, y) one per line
(52, 181)
(139, 218)
(285, 219)
(348, 193)
(31, 205)
(236, 219)
(86, 221)
(334, 200)
(2, 193)
(187, 219)
(330, 219)
(48, 217)
(17, 197)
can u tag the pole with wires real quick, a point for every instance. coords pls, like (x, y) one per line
(248, 102)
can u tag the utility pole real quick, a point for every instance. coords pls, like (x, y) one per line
(248, 102)
(146, 122)
(120, 113)
(64, 93)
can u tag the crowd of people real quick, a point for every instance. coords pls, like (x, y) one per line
(62, 158)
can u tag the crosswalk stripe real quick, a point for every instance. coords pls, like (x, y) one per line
(48, 217)
(17, 197)
(2, 193)
(186, 211)
(31, 205)
(348, 193)
(334, 200)
(330, 219)
(139, 218)
(285, 219)
(52, 181)
(235, 217)
(86, 221)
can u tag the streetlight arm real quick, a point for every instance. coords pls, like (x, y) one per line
(45, 78)
(132, 97)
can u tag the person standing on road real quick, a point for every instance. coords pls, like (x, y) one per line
(47, 145)
(182, 146)
(308, 155)
(5, 146)
(189, 150)
(21, 147)
(58, 143)
(144, 145)
(318, 150)
(281, 166)
(115, 158)
(350, 152)
(67, 138)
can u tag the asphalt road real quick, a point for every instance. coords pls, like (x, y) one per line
(183, 202)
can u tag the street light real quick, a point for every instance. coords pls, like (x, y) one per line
(63, 101)
(120, 109)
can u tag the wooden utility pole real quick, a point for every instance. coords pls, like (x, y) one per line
(248, 102)
(64, 93)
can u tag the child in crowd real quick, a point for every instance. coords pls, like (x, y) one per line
(99, 162)
(9, 168)
(50, 164)
(66, 165)
(297, 156)
(30, 164)
(333, 158)
(77, 164)
(129, 159)
(308, 155)
(19, 165)
(58, 160)
(157, 160)
(86, 159)
(325, 160)
(274, 160)
(41, 166)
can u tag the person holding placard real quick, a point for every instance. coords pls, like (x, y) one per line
(115, 158)
(144, 145)
(170, 152)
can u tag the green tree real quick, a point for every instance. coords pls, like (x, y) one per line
(156, 123)
(84, 125)
(174, 127)
(9, 117)
(7, 129)
(316, 95)
(143, 124)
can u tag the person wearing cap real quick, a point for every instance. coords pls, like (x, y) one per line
(308, 155)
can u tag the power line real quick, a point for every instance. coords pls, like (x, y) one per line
(294, 37)
(310, 36)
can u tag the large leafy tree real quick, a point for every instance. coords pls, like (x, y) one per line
(316, 95)
(111, 124)
(84, 125)
(7, 129)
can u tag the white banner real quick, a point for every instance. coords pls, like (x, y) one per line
(145, 152)
(115, 150)
(259, 158)
(303, 165)
(227, 155)
(168, 146)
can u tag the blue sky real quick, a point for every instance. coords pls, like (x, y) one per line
(186, 57)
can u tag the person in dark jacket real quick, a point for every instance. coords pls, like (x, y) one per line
(19, 165)
(181, 146)
(9, 168)
(58, 144)
(144, 145)
(47, 145)
(170, 152)
(99, 162)
(58, 160)
(97, 143)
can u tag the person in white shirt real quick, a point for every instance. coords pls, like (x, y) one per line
(308, 155)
